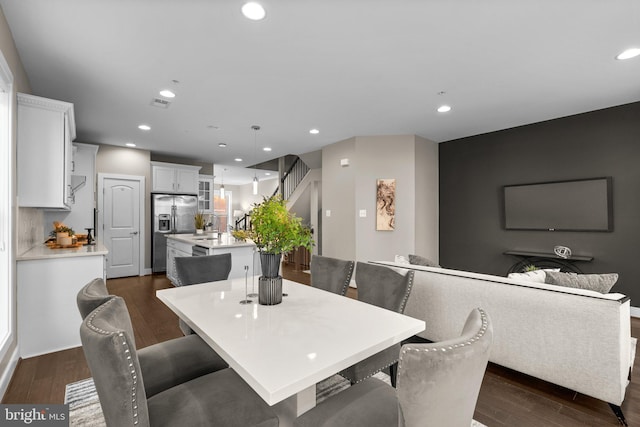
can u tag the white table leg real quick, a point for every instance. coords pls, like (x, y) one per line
(291, 408)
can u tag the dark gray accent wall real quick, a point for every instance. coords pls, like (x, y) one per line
(595, 144)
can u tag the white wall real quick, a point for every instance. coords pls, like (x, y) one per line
(413, 162)
(427, 199)
(385, 157)
(129, 161)
(81, 214)
(8, 354)
(338, 197)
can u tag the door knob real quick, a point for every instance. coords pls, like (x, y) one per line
(134, 232)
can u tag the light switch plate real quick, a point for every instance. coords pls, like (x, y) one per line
(328, 213)
(363, 213)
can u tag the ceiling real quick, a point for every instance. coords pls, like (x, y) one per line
(347, 68)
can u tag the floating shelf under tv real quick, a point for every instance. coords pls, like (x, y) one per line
(549, 255)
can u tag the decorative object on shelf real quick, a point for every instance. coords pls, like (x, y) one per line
(199, 222)
(275, 231)
(386, 204)
(562, 251)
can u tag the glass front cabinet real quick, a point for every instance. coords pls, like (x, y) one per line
(205, 194)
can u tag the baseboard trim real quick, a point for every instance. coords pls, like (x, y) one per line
(635, 311)
(5, 379)
(146, 272)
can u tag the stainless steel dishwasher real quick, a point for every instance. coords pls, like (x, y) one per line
(198, 251)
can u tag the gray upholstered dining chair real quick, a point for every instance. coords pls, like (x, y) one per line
(331, 274)
(191, 270)
(438, 385)
(219, 398)
(91, 296)
(201, 269)
(386, 288)
(165, 364)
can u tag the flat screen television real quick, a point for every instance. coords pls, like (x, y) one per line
(578, 205)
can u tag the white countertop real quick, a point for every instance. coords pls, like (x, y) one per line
(283, 349)
(44, 252)
(210, 240)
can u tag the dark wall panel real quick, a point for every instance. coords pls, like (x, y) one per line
(596, 144)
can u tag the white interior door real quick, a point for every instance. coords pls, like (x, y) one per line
(121, 224)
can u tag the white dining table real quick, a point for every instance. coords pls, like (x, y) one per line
(282, 351)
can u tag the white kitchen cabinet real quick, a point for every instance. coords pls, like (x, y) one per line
(175, 249)
(174, 178)
(48, 281)
(45, 130)
(205, 194)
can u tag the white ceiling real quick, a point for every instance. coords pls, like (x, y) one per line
(348, 68)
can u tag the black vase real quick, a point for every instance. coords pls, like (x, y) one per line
(270, 283)
(270, 264)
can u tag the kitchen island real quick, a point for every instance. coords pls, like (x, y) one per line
(48, 283)
(242, 253)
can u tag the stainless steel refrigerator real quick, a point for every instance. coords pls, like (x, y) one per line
(170, 213)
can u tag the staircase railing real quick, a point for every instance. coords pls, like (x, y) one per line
(243, 223)
(291, 178)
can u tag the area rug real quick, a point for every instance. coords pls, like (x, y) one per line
(85, 411)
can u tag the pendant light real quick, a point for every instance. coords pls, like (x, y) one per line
(255, 128)
(222, 185)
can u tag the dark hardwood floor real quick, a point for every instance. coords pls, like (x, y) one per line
(507, 398)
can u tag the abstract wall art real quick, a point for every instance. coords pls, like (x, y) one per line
(386, 204)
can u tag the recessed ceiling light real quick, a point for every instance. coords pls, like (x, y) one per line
(222, 144)
(444, 109)
(144, 127)
(267, 173)
(130, 144)
(314, 131)
(167, 93)
(238, 159)
(266, 149)
(253, 11)
(629, 53)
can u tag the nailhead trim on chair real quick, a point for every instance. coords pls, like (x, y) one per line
(406, 295)
(483, 329)
(134, 376)
(402, 306)
(371, 374)
(348, 279)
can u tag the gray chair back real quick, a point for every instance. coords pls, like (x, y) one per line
(201, 269)
(438, 383)
(110, 350)
(91, 296)
(331, 274)
(386, 288)
(383, 287)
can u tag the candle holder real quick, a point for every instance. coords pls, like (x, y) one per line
(253, 293)
(246, 300)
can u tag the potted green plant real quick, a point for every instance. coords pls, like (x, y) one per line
(275, 231)
(199, 222)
